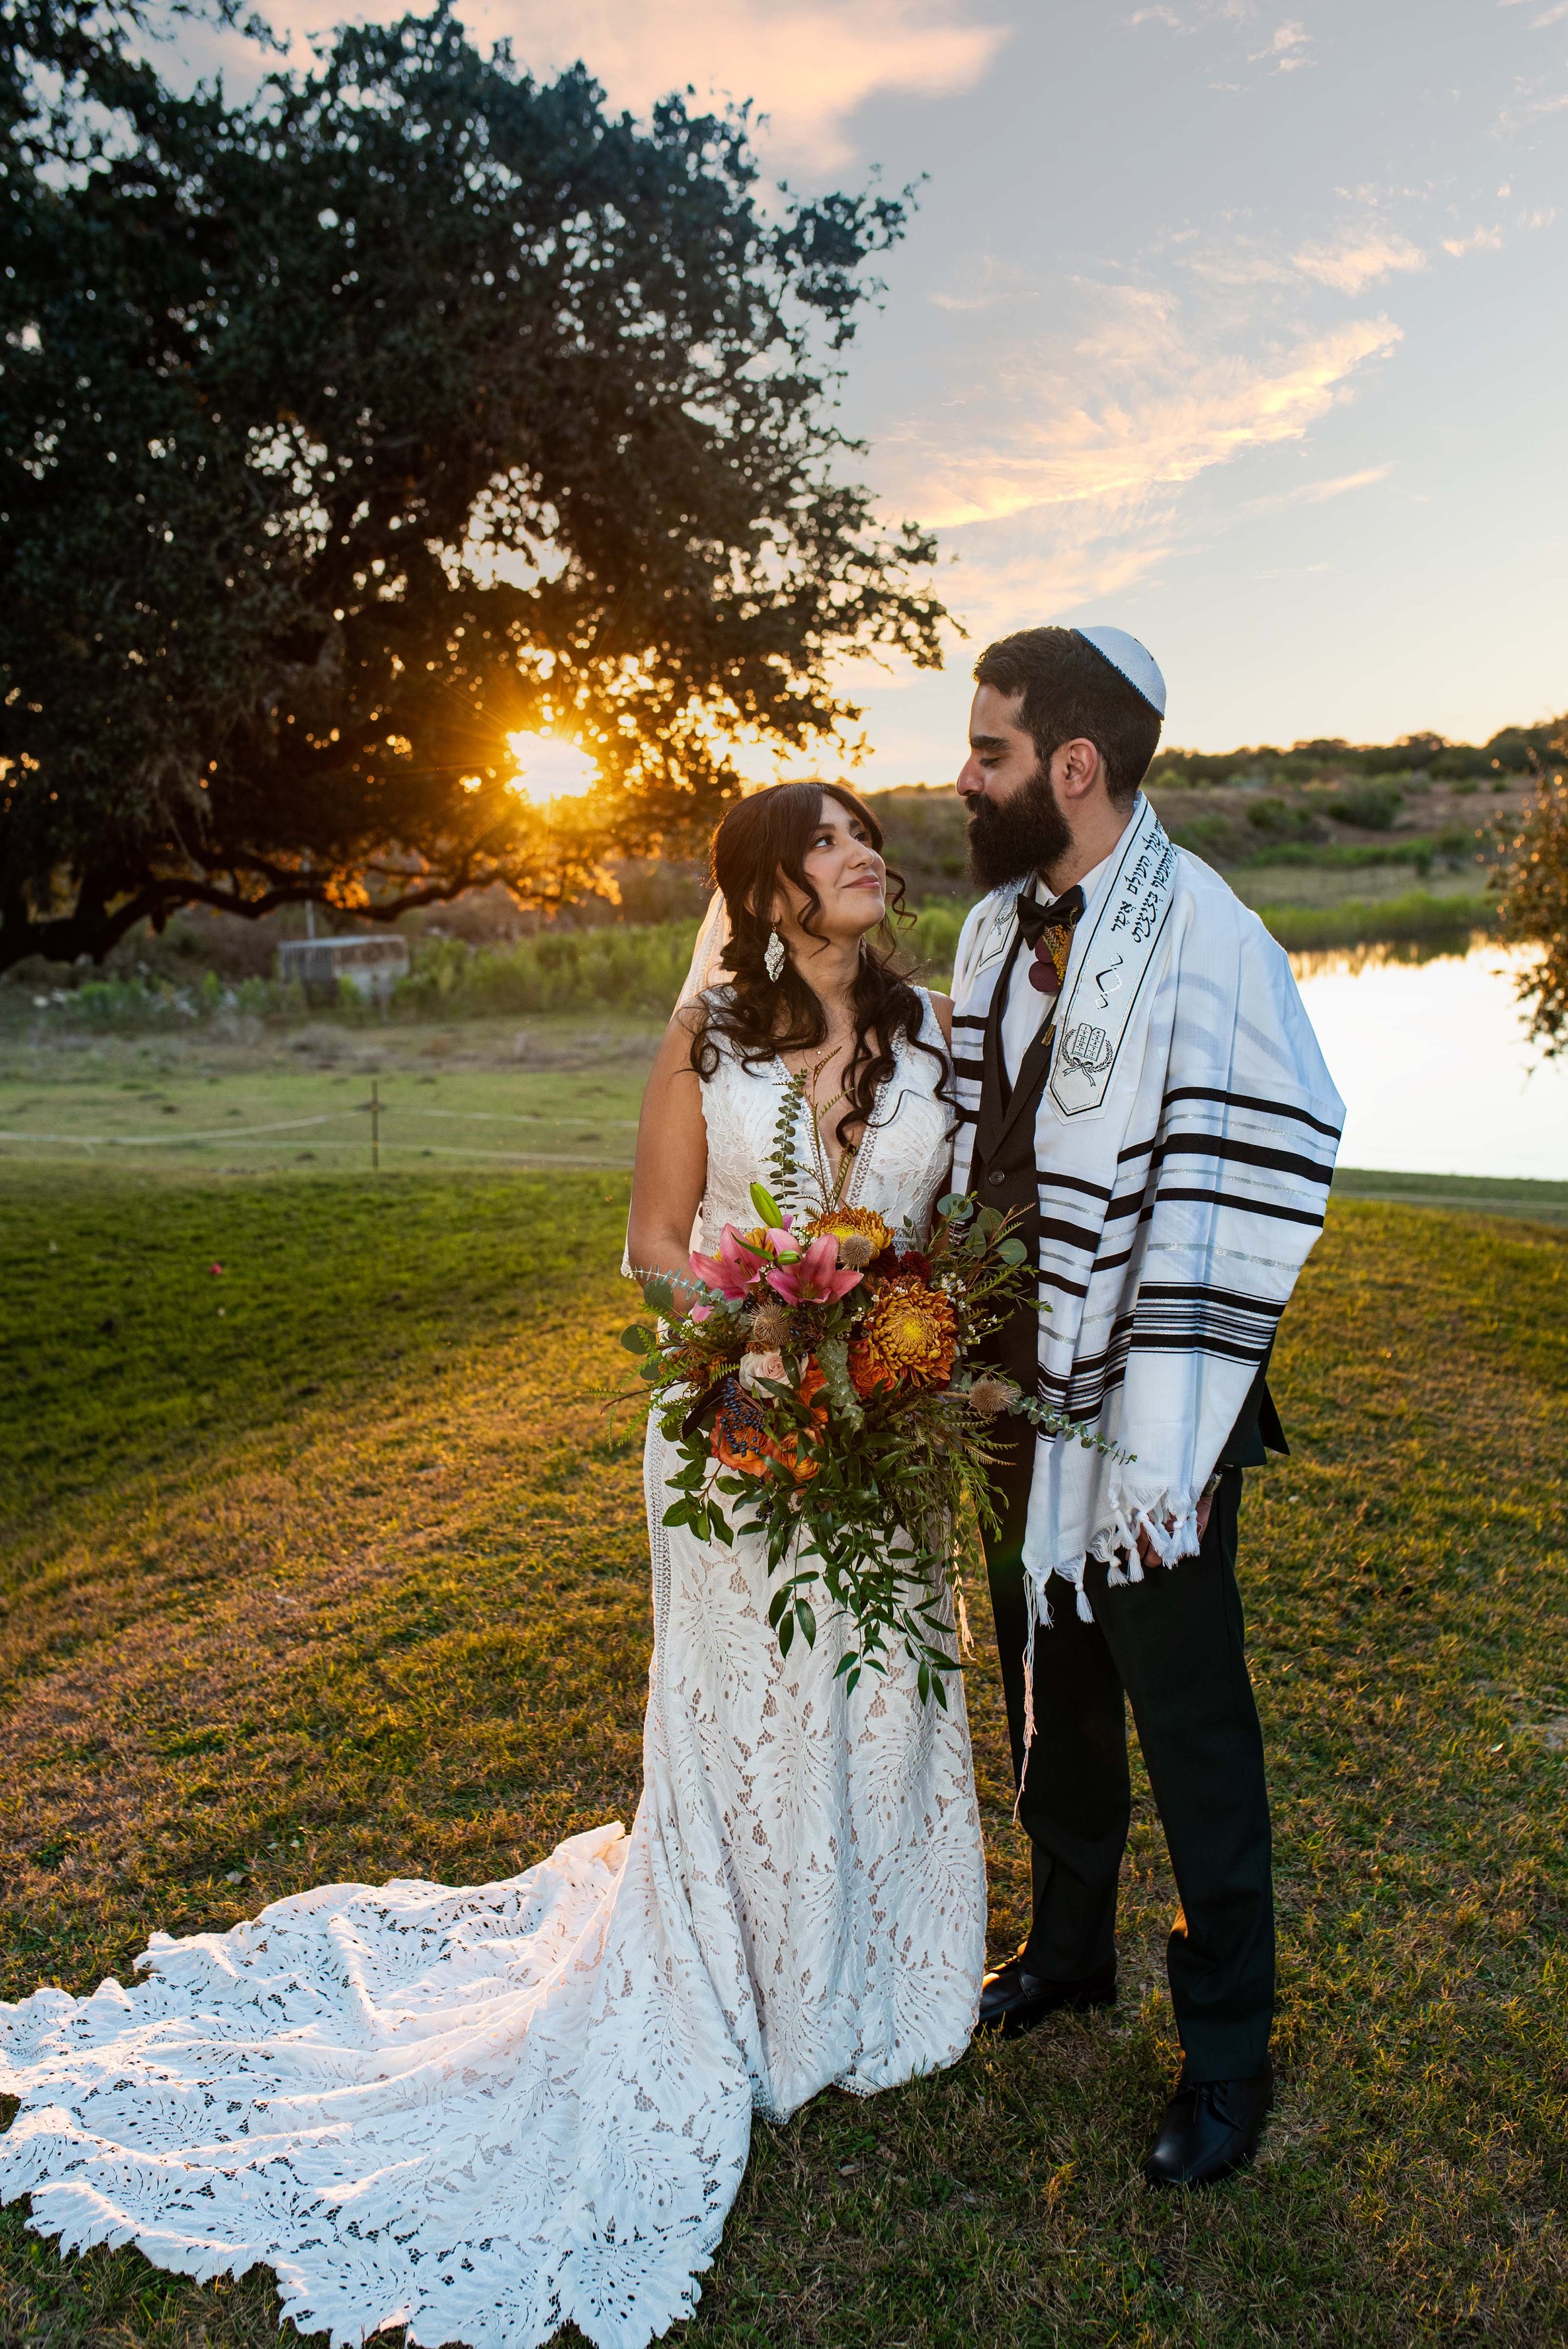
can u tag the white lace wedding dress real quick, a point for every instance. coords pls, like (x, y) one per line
(480, 2112)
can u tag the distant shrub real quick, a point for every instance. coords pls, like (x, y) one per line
(929, 947)
(1212, 835)
(1373, 806)
(618, 967)
(1462, 762)
(1389, 921)
(1272, 815)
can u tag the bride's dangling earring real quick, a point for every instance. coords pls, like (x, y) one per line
(773, 960)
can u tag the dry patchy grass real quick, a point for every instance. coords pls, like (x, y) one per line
(338, 1587)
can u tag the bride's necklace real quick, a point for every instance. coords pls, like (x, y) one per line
(831, 1188)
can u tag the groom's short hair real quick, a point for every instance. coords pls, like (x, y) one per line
(1071, 691)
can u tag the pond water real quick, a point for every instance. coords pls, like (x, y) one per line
(1433, 1062)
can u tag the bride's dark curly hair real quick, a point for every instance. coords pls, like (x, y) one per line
(761, 839)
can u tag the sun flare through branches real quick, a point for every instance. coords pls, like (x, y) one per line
(550, 770)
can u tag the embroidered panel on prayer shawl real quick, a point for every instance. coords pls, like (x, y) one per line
(1026, 1012)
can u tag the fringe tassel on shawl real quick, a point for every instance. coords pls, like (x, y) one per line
(1036, 1617)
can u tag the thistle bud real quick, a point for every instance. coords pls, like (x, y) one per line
(770, 1326)
(855, 1251)
(992, 1395)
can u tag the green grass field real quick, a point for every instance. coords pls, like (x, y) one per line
(554, 1090)
(328, 1565)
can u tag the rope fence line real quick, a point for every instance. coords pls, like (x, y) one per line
(376, 1109)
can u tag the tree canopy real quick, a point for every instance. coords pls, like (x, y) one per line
(352, 429)
(1533, 908)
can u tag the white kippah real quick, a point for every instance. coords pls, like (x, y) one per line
(1137, 665)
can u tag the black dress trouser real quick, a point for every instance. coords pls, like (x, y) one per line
(1173, 1646)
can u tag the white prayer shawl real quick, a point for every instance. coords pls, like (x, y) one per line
(1184, 1148)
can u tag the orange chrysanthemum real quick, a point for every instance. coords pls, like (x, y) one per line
(743, 1440)
(909, 1341)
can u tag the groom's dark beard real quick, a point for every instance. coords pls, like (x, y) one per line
(1011, 840)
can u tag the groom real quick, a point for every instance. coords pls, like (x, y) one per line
(1138, 1080)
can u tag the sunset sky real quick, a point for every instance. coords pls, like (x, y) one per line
(1246, 331)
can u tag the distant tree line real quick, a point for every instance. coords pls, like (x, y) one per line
(1512, 750)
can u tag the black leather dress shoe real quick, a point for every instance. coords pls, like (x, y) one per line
(1210, 2127)
(1013, 2002)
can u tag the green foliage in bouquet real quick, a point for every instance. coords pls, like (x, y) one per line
(826, 1391)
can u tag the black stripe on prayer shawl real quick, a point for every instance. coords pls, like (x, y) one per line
(969, 1019)
(1192, 1342)
(1083, 1392)
(1251, 1100)
(1048, 1182)
(1186, 1304)
(1051, 1277)
(1137, 1149)
(1240, 1203)
(1243, 1153)
(1070, 1235)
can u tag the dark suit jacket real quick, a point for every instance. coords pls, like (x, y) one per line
(1004, 1176)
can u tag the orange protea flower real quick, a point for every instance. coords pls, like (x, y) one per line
(861, 1228)
(910, 1339)
(743, 1440)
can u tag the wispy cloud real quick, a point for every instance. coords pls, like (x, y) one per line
(988, 286)
(1058, 468)
(1529, 104)
(1134, 408)
(1317, 494)
(1358, 256)
(809, 63)
(1479, 240)
(1285, 51)
(1205, 13)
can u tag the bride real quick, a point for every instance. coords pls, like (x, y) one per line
(482, 2112)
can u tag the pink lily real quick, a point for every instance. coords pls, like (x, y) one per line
(815, 1279)
(734, 1270)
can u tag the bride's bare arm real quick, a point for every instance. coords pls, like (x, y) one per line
(671, 1160)
(943, 1007)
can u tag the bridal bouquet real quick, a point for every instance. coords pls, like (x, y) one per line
(825, 1388)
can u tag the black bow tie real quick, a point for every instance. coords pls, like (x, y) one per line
(1035, 919)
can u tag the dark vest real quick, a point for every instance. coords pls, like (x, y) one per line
(1003, 1175)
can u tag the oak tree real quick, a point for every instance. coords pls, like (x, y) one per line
(351, 429)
